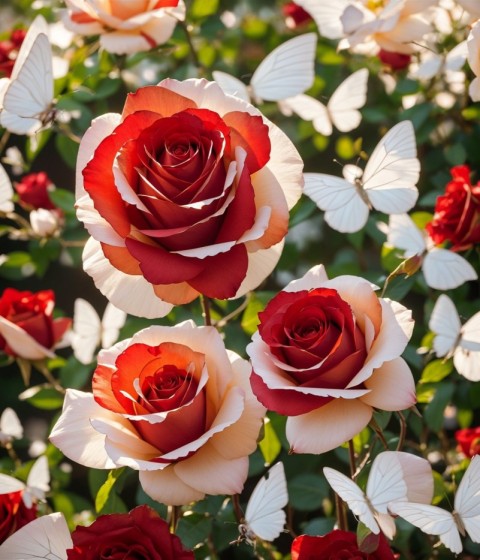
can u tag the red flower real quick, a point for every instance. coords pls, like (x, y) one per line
(14, 514)
(187, 193)
(457, 212)
(295, 16)
(27, 327)
(396, 61)
(469, 441)
(337, 545)
(9, 51)
(33, 191)
(141, 533)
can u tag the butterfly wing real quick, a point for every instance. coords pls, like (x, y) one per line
(264, 514)
(467, 499)
(353, 496)
(344, 208)
(445, 323)
(231, 85)
(310, 109)
(9, 484)
(386, 482)
(10, 426)
(30, 92)
(287, 71)
(38, 482)
(326, 16)
(431, 520)
(446, 270)
(86, 331)
(467, 363)
(471, 334)
(45, 538)
(404, 234)
(6, 192)
(392, 171)
(350, 96)
(112, 321)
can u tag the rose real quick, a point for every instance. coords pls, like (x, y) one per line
(27, 327)
(141, 533)
(295, 15)
(174, 404)
(469, 441)
(124, 26)
(9, 50)
(396, 61)
(457, 212)
(187, 193)
(326, 353)
(33, 191)
(337, 545)
(45, 223)
(14, 514)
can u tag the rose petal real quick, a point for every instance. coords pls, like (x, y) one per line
(21, 343)
(392, 386)
(328, 427)
(166, 487)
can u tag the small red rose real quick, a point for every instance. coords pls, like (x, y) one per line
(33, 191)
(396, 61)
(469, 441)
(337, 545)
(295, 16)
(27, 327)
(14, 514)
(141, 533)
(457, 212)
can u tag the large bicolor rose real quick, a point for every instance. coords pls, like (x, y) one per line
(327, 352)
(27, 327)
(125, 26)
(187, 192)
(174, 404)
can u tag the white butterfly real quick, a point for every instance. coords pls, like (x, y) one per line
(10, 426)
(388, 183)
(38, 483)
(27, 97)
(442, 269)
(465, 517)
(432, 64)
(89, 331)
(326, 14)
(6, 192)
(388, 481)
(451, 338)
(341, 111)
(44, 538)
(287, 71)
(264, 516)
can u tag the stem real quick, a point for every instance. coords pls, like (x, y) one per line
(237, 510)
(174, 514)
(193, 52)
(351, 458)
(341, 514)
(206, 311)
(49, 377)
(222, 322)
(403, 430)
(3, 140)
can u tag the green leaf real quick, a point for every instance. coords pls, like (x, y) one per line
(203, 8)
(456, 154)
(105, 491)
(256, 304)
(68, 149)
(194, 529)
(74, 374)
(42, 397)
(270, 446)
(18, 265)
(434, 411)
(307, 491)
(436, 370)
(63, 199)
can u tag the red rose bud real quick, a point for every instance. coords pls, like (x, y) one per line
(27, 327)
(141, 533)
(457, 212)
(14, 514)
(338, 545)
(295, 16)
(469, 441)
(396, 61)
(33, 191)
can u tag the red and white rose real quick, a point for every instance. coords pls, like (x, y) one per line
(125, 26)
(187, 192)
(174, 404)
(326, 354)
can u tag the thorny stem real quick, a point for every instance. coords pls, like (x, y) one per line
(206, 311)
(351, 458)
